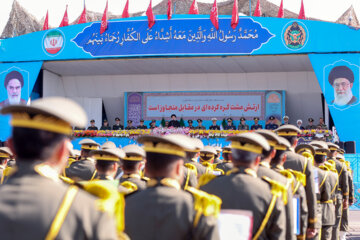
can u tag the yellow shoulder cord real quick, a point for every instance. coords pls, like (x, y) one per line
(2, 178)
(306, 162)
(132, 187)
(187, 178)
(336, 184)
(64, 172)
(62, 213)
(341, 170)
(277, 189)
(192, 167)
(323, 181)
(266, 219)
(94, 174)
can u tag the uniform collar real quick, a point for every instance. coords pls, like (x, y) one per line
(104, 177)
(265, 164)
(169, 182)
(132, 175)
(243, 170)
(278, 167)
(47, 171)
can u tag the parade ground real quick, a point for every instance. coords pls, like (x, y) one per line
(354, 221)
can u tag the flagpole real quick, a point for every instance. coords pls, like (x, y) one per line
(250, 8)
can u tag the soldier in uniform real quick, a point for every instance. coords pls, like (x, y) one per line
(217, 159)
(311, 125)
(342, 192)
(230, 125)
(142, 126)
(5, 156)
(242, 189)
(256, 125)
(129, 125)
(105, 125)
(243, 125)
(153, 124)
(264, 169)
(83, 169)
(226, 165)
(107, 163)
(191, 160)
(303, 165)
(321, 124)
(132, 165)
(163, 210)
(200, 126)
(297, 186)
(214, 126)
(190, 122)
(207, 157)
(92, 125)
(35, 203)
(271, 125)
(117, 125)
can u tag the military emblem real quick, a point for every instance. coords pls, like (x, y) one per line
(295, 36)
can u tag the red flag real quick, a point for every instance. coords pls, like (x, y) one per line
(65, 20)
(281, 10)
(82, 18)
(169, 10)
(104, 22)
(235, 15)
(194, 8)
(257, 12)
(150, 15)
(125, 13)
(302, 11)
(214, 17)
(46, 22)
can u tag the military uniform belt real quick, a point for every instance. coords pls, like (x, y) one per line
(328, 201)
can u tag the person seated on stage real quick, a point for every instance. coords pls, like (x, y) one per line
(271, 125)
(129, 126)
(105, 125)
(200, 126)
(299, 124)
(153, 124)
(142, 126)
(243, 125)
(311, 124)
(230, 125)
(166, 124)
(256, 125)
(321, 124)
(286, 120)
(92, 125)
(190, 124)
(117, 125)
(214, 126)
(173, 122)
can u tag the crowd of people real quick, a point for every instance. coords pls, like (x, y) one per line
(271, 124)
(167, 187)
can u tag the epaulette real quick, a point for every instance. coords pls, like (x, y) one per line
(331, 167)
(347, 164)
(110, 200)
(204, 204)
(67, 180)
(219, 170)
(146, 179)
(191, 167)
(277, 189)
(8, 171)
(132, 187)
(325, 168)
(333, 163)
(205, 179)
(289, 177)
(299, 176)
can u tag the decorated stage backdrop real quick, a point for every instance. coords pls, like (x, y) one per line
(205, 105)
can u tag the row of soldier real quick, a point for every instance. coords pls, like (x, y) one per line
(174, 187)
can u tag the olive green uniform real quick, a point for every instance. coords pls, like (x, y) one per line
(298, 191)
(225, 166)
(241, 189)
(265, 170)
(30, 200)
(190, 178)
(299, 163)
(342, 192)
(82, 170)
(200, 169)
(163, 211)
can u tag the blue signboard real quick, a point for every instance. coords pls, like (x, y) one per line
(338, 76)
(175, 37)
(16, 83)
(183, 35)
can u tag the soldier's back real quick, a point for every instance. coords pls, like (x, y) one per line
(81, 170)
(136, 179)
(29, 203)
